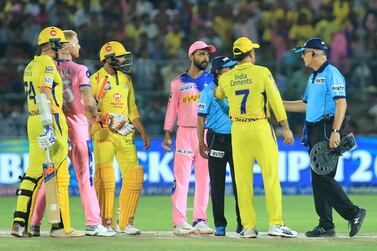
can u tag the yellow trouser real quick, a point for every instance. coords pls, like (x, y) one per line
(108, 144)
(33, 176)
(256, 141)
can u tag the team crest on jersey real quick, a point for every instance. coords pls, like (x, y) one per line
(49, 69)
(320, 81)
(48, 80)
(65, 73)
(117, 95)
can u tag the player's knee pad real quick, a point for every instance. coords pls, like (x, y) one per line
(132, 185)
(27, 195)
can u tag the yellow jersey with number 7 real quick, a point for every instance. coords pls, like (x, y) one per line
(250, 90)
(42, 72)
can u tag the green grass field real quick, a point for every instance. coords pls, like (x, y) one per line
(154, 214)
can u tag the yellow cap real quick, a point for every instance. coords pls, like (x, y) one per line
(112, 49)
(51, 34)
(243, 45)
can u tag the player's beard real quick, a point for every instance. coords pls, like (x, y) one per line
(200, 65)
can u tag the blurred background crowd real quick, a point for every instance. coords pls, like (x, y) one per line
(158, 33)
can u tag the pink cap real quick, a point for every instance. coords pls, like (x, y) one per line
(200, 45)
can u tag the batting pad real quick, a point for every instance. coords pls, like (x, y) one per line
(63, 183)
(129, 196)
(104, 182)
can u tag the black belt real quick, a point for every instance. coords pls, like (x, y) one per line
(219, 134)
(326, 119)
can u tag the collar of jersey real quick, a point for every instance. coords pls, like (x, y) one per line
(322, 68)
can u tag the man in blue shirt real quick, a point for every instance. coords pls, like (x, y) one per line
(213, 114)
(325, 105)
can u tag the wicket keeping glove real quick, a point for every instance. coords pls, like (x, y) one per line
(47, 139)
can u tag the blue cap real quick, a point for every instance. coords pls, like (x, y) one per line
(312, 43)
(221, 62)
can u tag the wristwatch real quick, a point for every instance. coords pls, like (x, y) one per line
(335, 130)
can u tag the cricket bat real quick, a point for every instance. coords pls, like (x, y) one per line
(52, 201)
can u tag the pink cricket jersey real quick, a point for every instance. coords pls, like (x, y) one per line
(183, 100)
(74, 76)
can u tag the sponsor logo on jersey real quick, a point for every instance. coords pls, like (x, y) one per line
(48, 81)
(217, 154)
(186, 88)
(338, 88)
(320, 80)
(185, 152)
(87, 74)
(202, 106)
(49, 69)
(240, 79)
(190, 98)
(117, 95)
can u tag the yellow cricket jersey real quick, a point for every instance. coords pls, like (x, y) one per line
(42, 72)
(250, 90)
(118, 94)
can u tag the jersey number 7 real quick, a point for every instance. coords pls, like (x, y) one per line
(244, 92)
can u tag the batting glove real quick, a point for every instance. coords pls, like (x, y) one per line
(117, 121)
(126, 129)
(47, 139)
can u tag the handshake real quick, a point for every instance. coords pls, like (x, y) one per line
(119, 123)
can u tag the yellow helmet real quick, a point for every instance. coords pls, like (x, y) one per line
(51, 34)
(112, 49)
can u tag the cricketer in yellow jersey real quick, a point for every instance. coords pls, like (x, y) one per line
(44, 90)
(113, 135)
(251, 91)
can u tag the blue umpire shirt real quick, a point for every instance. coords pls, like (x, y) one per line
(215, 110)
(323, 88)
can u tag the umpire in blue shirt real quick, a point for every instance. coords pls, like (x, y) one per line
(213, 114)
(325, 105)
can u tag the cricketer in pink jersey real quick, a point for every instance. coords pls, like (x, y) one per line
(183, 107)
(79, 107)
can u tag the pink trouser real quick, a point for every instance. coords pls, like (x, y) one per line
(187, 153)
(83, 165)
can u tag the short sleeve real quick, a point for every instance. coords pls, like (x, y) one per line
(337, 85)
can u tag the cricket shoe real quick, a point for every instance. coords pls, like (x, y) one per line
(60, 233)
(129, 229)
(99, 230)
(319, 231)
(184, 229)
(19, 231)
(219, 231)
(248, 233)
(35, 230)
(355, 223)
(202, 227)
(282, 231)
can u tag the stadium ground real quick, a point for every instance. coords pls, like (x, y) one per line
(154, 218)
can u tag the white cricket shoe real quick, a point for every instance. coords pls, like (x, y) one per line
(183, 229)
(248, 233)
(99, 230)
(129, 229)
(60, 233)
(282, 231)
(202, 227)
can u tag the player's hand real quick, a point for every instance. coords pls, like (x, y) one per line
(203, 149)
(288, 136)
(116, 121)
(334, 140)
(167, 144)
(126, 129)
(146, 140)
(47, 139)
